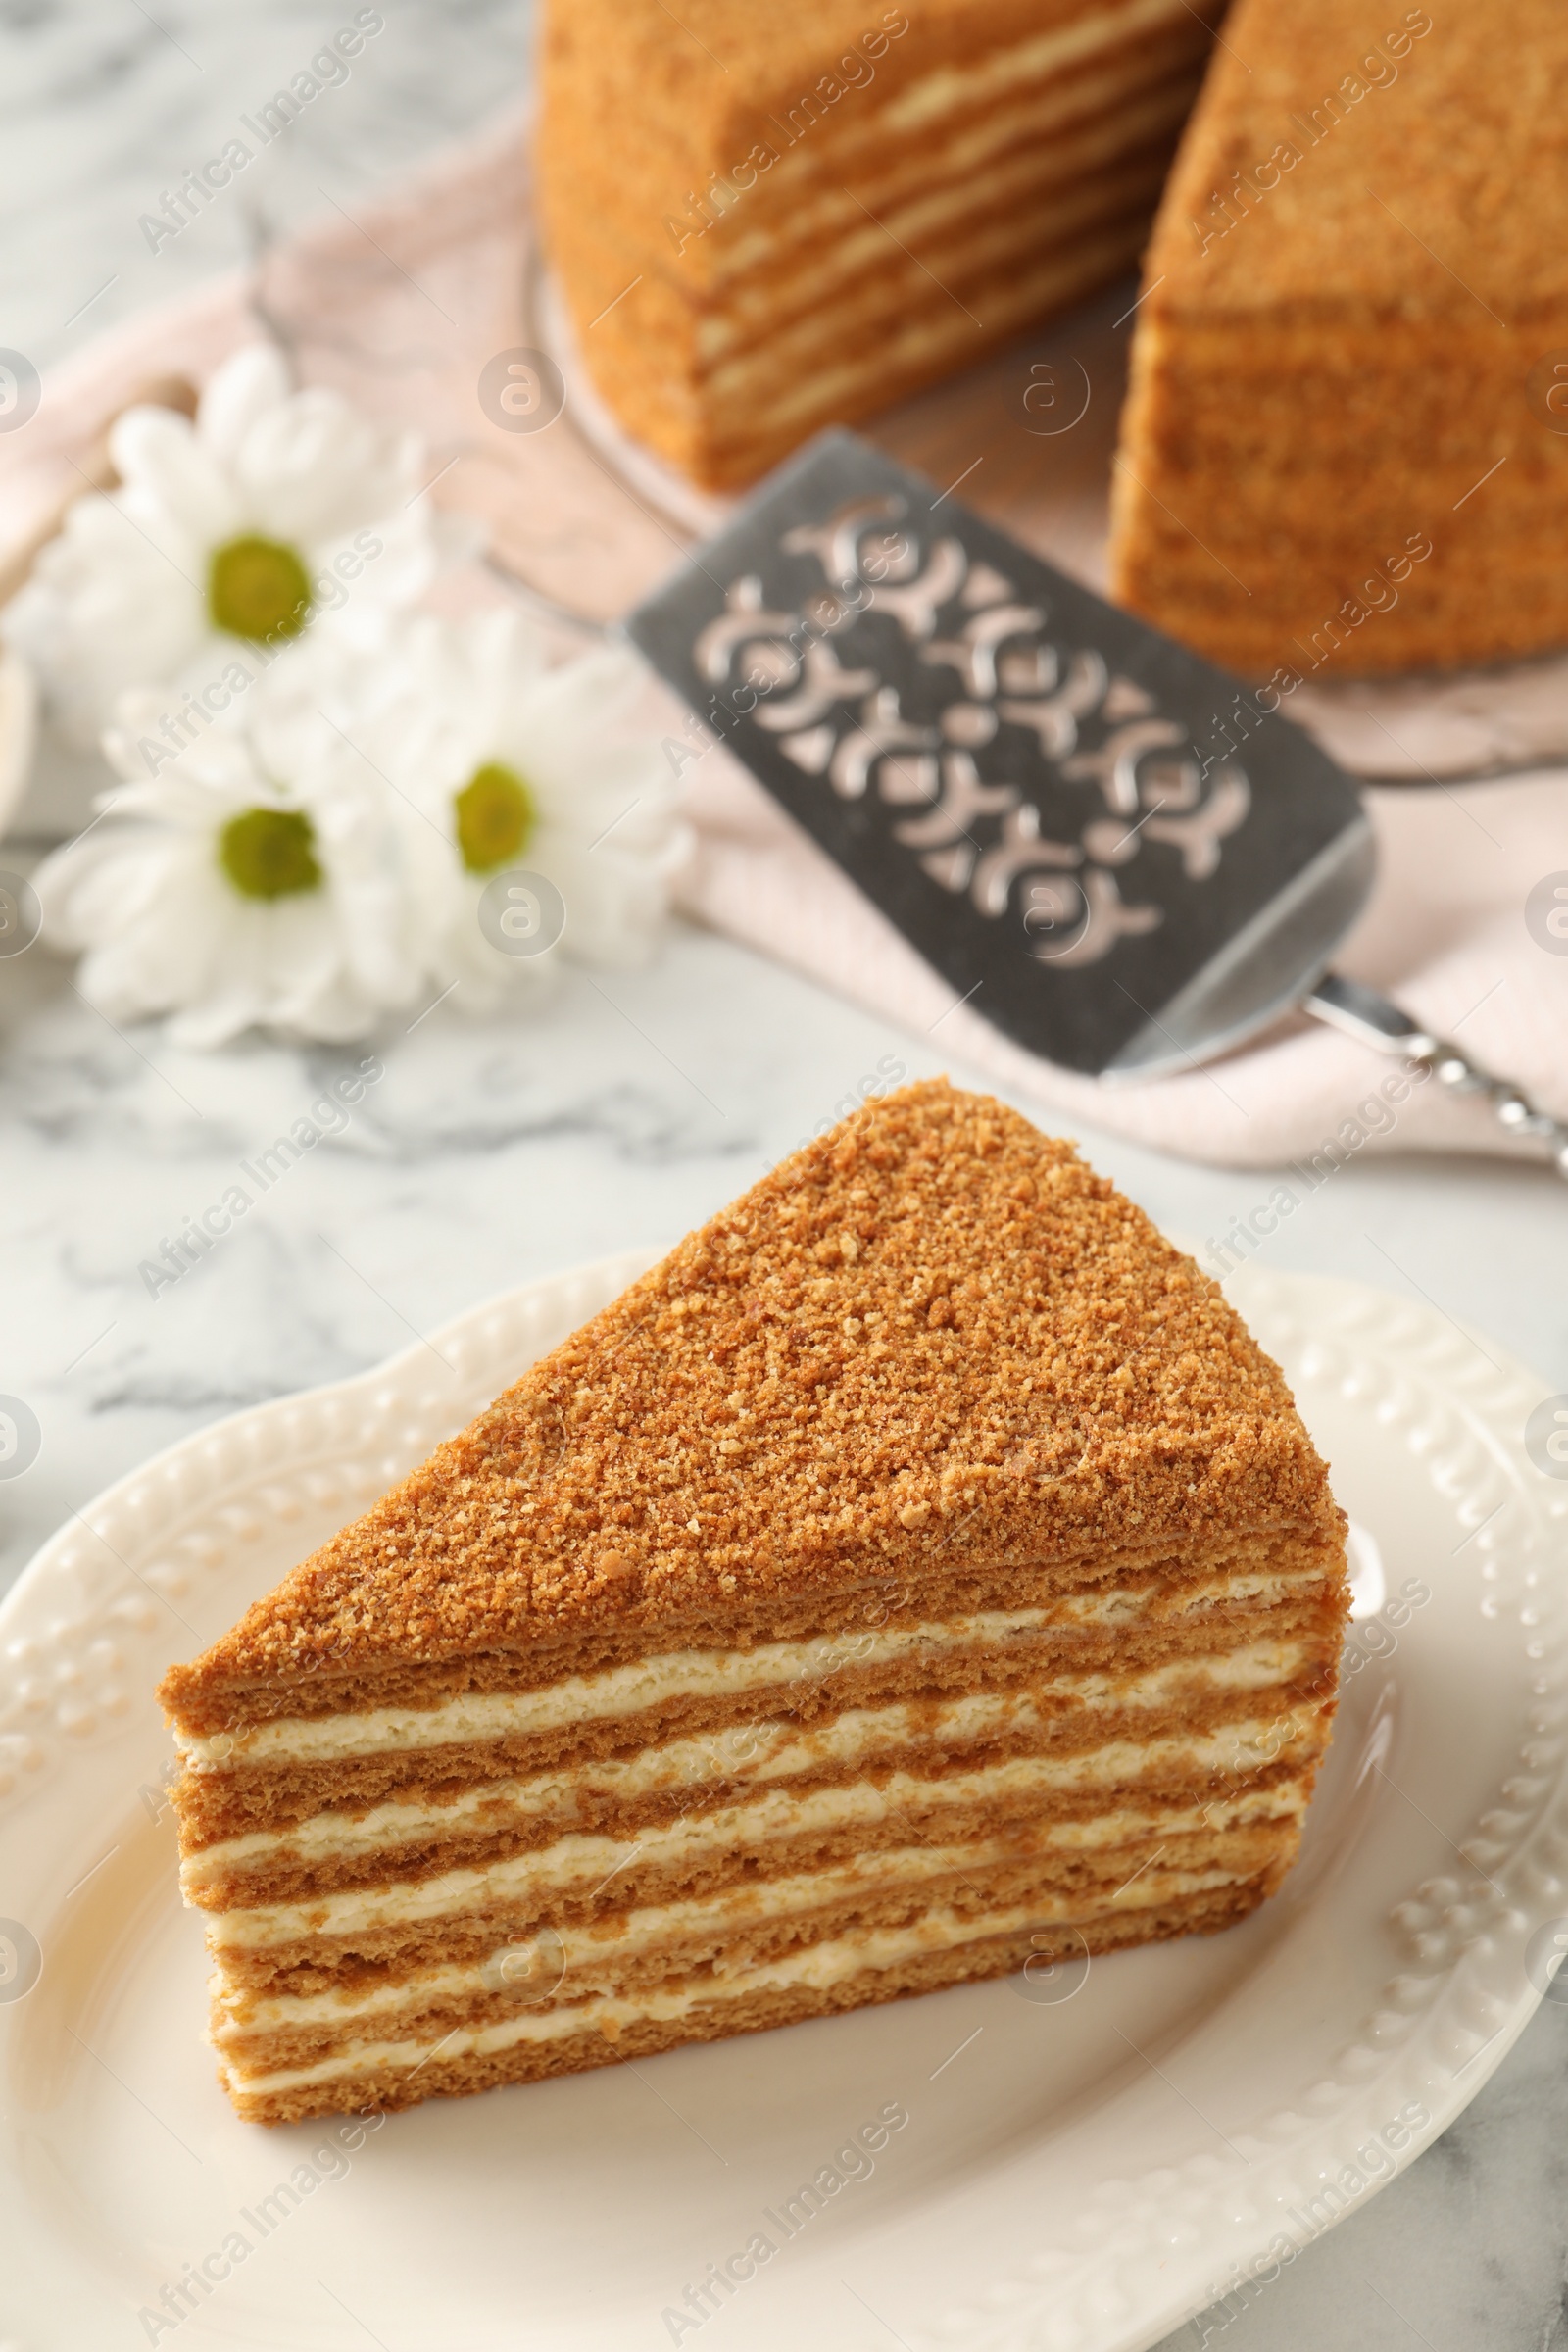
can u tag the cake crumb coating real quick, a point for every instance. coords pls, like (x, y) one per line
(932, 1337)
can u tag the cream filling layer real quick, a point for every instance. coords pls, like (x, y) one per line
(819, 1968)
(647, 1683)
(750, 1752)
(1000, 71)
(1086, 226)
(547, 1961)
(1060, 137)
(581, 1864)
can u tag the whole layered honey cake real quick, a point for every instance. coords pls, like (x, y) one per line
(769, 219)
(1346, 445)
(921, 1569)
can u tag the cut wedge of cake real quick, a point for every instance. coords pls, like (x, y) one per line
(921, 1571)
(765, 220)
(1345, 448)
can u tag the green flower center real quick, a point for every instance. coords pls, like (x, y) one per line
(269, 853)
(496, 817)
(258, 588)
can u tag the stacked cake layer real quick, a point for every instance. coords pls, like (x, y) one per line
(804, 215)
(519, 1881)
(1346, 444)
(921, 1575)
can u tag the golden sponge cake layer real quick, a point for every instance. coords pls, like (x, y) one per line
(927, 182)
(556, 1969)
(1349, 302)
(973, 1752)
(757, 1873)
(638, 1689)
(765, 173)
(787, 1856)
(850, 1972)
(706, 1717)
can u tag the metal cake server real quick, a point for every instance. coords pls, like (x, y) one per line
(1121, 853)
(1365, 1014)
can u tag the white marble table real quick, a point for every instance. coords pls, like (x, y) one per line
(621, 1113)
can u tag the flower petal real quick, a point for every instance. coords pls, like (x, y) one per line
(314, 471)
(238, 394)
(395, 559)
(107, 608)
(160, 455)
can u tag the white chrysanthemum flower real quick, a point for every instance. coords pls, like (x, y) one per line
(275, 511)
(235, 888)
(503, 768)
(18, 723)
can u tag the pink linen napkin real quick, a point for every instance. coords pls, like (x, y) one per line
(403, 307)
(1444, 934)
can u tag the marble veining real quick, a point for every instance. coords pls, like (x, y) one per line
(102, 109)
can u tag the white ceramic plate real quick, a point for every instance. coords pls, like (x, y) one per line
(1076, 2170)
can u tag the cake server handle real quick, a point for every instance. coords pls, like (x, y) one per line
(1362, 1014)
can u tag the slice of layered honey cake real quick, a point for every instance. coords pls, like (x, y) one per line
(920, 1561)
